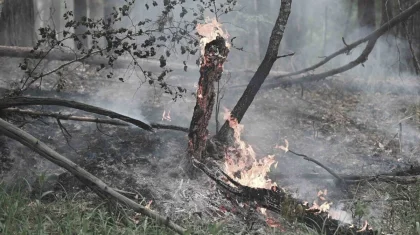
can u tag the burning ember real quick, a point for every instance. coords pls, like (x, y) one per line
(209, 32)
(166, 116)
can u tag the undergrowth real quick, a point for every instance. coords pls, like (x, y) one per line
(22, 212)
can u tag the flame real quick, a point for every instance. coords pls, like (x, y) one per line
(241, 163)
(166, 116)
(209, 31)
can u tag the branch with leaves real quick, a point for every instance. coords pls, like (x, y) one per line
(112, 46)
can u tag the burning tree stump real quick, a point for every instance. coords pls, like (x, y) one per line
(211, 68)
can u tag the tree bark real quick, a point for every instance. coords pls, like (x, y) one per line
(211, 69)
(17, 23)
(262, 72)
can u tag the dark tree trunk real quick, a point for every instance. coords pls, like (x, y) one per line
(238, 112)
(80, 11)
(211, 69)
(17, 23)
(366, 13)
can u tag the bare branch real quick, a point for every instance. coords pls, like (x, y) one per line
(97, 185)
(375, 34)
(316, 77)
(287, 55)
(72, 117)
(25, 101)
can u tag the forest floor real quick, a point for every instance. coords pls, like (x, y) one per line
(350, 124)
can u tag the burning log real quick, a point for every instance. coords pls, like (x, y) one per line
(214, 55)
(278, 201)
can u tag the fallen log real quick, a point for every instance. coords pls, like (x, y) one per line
(28, 101)
(277, 200)
(97, 185)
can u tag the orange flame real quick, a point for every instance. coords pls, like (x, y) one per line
(241, 163)
(166, 116)
(209, 31)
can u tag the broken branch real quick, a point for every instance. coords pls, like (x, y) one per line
(92, 181)
(287, 55)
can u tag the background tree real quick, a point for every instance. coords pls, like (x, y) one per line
(17, 23)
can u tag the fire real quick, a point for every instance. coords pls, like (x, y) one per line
(166, 116)
(209, 31)
(241, 163)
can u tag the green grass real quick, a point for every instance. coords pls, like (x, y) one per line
(22, 212)
(19, 214)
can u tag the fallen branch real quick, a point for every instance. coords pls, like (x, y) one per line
(97, 185)
(72, 117)
(25, 101)
(375, 34)
(277, 200)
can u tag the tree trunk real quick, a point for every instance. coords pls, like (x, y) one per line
(80, 11)
(211, 69)
(366, 13)
(238, 112)
(17, 23)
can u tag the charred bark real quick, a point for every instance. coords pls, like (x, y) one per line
(262, 72)
(279, 201)
(211, 69)
(17, 23)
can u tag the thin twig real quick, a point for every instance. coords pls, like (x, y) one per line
(319, 164)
